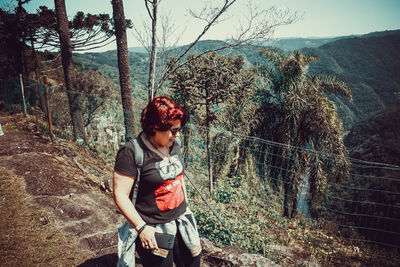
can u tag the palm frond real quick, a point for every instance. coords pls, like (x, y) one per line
(332, 84)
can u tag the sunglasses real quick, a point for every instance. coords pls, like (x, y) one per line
(175, 130)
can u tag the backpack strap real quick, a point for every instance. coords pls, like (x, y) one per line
(178, 141)
(139, 155)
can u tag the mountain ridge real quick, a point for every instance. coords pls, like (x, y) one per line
(371, 67)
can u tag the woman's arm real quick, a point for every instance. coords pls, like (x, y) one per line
(122, 185)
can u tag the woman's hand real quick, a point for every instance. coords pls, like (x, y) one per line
(147, 238)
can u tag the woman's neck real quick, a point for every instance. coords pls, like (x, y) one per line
(162, 151)
(154, 143)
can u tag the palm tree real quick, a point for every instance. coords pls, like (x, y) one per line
(296, 111)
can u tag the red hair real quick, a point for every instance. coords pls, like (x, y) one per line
(160, 113)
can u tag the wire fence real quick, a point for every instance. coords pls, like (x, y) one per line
(255, 182)
(367, 201)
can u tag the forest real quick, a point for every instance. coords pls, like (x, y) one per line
(301, 145)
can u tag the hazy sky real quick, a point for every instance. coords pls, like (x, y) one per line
(321, 18)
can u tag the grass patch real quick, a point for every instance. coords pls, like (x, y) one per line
(27, 237)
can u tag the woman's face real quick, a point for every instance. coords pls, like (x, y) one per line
(166, 138)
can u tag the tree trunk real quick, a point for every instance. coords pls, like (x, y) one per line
(209, 159)
(286, 200)
(123, 66)
(39, 93)
(69, 71)
(18, 45)
(153, 55)
(23, 58)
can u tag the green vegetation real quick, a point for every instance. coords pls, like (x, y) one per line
(367, 63)
(295, 112)
(107, 63)
(251, 208)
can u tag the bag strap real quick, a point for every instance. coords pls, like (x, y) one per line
(138, 153)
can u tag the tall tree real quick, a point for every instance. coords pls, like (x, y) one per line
(69, 70)
(204, 84)
(21, 14)
(296, 112)
(123, 66)
(87, 31)
(152, 11)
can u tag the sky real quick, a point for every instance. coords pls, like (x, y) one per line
(320, 18)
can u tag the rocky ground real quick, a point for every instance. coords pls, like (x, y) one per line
(65, 180)
(70, 183)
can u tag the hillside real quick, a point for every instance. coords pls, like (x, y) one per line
(289, 44)
(107, 63)
(377, 139)
(57, 186)
(370, 65)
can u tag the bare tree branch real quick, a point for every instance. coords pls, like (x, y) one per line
(256, 25)
(148, 9)
(211, 22)
(44, 71)
(207, 13)
(51, 60)
(142, 37)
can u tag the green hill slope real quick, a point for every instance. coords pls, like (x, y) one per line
(370, 65)
(107, 63)
(377, 139)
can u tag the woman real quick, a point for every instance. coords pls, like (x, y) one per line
(161, 203)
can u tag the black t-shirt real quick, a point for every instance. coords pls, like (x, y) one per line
(160, 197)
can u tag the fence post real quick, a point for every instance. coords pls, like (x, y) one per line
(23, 94)
(48, 108)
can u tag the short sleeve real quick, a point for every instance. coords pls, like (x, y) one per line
(125, 160)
